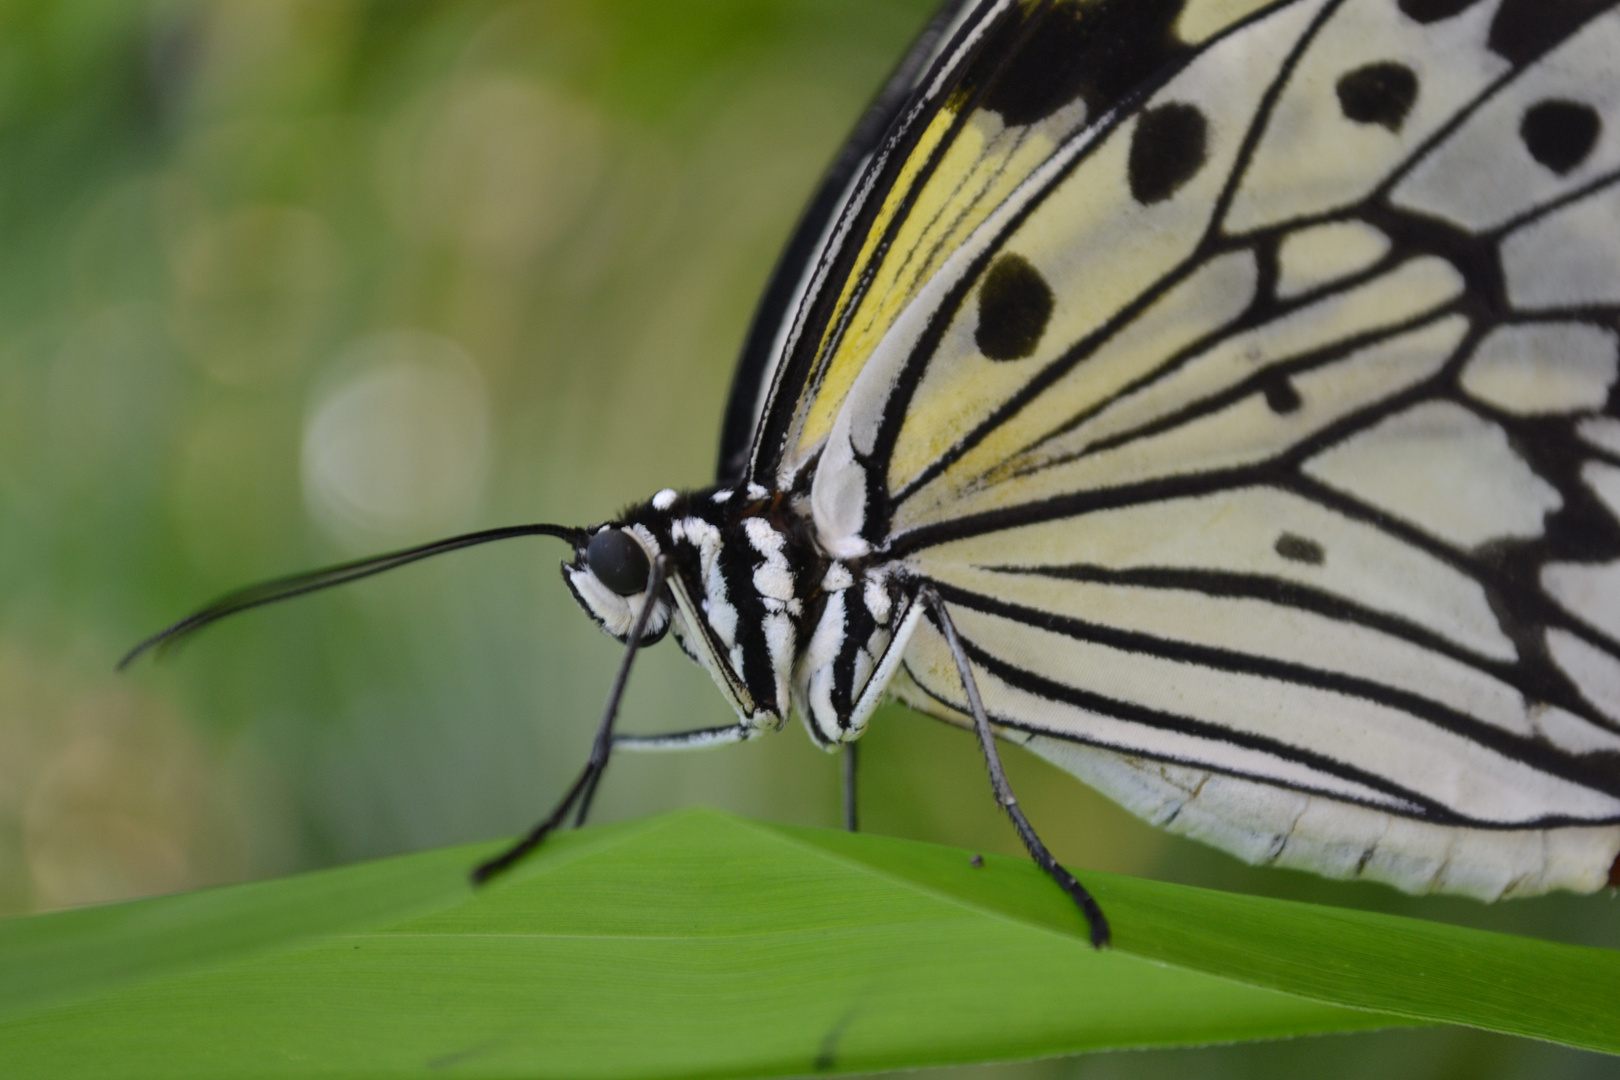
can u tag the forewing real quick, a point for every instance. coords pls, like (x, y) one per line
(1009, 82)
(813, 239)
(1266, 432)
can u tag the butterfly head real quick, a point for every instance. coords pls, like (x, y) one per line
(608, 577)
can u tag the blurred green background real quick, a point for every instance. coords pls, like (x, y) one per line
(283, 283)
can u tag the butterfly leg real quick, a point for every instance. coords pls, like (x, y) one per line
(851, 822)
(696, 739)
(856, 648)
(998, 779)
(585, 787)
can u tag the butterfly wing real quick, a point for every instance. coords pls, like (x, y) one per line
(815, 238)
(1256, 417)
(982, 102)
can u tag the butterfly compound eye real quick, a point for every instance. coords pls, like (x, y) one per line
(618, 561)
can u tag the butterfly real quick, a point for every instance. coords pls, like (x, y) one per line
(1216, 398)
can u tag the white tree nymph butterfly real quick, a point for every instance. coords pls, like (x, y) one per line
(1216, 397)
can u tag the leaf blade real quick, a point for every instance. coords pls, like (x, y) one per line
(701, 944)
(1427, 971)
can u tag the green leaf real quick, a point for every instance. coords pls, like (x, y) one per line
(698, 944)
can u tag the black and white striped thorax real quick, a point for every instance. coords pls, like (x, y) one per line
(754, 600)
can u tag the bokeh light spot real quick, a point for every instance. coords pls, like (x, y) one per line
(400, 445)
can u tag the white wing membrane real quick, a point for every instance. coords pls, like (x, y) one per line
(1256, 723)
(1263, 823)
(1312, 159)
(1483, 175)
(1565, 258)
(1232, 537)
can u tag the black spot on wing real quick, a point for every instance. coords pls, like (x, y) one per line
(1428, 11)
(1299, 549)
(1281, 396)
(1168, 147)
(1015, 303)
(1560, 134)
(1100, 51)
(1381, 94)
(1524, 29)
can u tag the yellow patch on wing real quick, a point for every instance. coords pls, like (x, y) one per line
(983, 164)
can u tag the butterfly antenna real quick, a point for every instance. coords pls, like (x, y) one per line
(285, 588)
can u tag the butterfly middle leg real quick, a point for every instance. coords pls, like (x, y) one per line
(696, 739)
(703, 738)
(851, 818)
